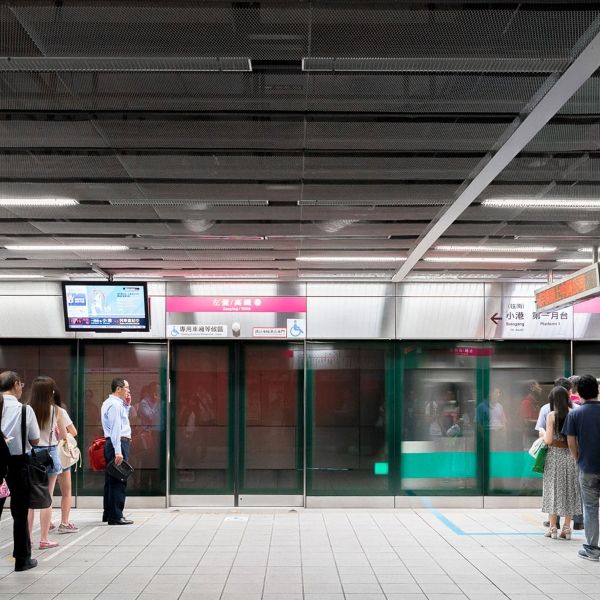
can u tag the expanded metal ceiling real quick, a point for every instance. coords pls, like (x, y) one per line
(239, 138)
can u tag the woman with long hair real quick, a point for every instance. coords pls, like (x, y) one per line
(561, 495)
(64, 478)
(52, 431)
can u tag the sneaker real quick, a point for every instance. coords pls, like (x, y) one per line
(583, 553)
(67, 528)
(52, 527)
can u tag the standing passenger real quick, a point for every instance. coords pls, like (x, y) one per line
(117, 431)
(11, 388)
(64, 479)
(582, 428)
(561, 488)
(52, 431)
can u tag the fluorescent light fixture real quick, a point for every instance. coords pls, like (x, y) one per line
(68, 248)
(472, 248)
(478, 259)
(587, 250)
(226, 277)
(568, 203)
(365, 275)
(20, 276)
(50, 202)
(351, 259)
(575, 260)
(452, 276)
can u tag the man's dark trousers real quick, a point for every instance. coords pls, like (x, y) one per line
(115, 491)
(19, 507)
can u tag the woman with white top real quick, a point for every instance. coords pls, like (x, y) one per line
(64, 478)
(52, 431)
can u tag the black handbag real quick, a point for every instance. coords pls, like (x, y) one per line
(34, 473)
(120, 472)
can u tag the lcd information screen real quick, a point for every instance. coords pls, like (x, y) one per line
(105, 306)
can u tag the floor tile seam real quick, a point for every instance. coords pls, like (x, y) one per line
(60, 563)
(337, 569)
(236, 553)
(458, 551)
(363, 550)
(197, 519)
(143, 548)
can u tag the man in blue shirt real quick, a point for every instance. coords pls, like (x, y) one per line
(582, 428)
(117, 431)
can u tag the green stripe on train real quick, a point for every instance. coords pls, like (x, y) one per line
(449, 465)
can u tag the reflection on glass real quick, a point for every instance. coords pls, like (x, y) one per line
(201, 396)
(272, 457)
(141, 365)
(521, 376)
(439, 399)
(348, 438)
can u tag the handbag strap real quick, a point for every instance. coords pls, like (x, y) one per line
(23, 423)
(51, 426)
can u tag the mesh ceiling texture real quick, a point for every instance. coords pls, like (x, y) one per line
(241, 135)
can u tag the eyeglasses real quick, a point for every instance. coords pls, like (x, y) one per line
(21, 383)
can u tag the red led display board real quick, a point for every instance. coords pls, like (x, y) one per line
(581, 285)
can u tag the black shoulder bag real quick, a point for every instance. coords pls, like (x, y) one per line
(35, 473)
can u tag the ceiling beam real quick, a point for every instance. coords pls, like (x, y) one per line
(582, 68)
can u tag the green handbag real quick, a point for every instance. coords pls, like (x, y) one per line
(540, 460)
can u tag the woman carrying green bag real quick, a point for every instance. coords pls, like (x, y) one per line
(561, 494)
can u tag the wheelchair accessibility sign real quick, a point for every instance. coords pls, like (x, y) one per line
(296, 328)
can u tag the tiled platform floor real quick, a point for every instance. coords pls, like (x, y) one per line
(306, 554)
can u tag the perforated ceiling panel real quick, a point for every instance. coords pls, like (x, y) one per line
(357, 127)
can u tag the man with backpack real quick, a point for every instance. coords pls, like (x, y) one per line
(11, 388)
(117, 432)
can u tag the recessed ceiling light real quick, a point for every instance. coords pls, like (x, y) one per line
(68, 248)
(473, 248)
(574, 260)
(20, 276)
(38, 202)
(351, 259)
(541, 203)
(478, 259)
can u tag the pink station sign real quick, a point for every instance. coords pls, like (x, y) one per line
(235, 304)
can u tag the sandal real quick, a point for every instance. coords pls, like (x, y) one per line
(565, 533)
(551, 533)
(48, 545)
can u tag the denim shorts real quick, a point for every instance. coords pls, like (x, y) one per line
(56, 468)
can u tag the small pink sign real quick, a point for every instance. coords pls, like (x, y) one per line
(588, 306)
(235, 304)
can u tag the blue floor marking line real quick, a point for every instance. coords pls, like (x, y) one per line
(458, 531)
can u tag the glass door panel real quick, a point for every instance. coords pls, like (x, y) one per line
(439, 394)
(143, 365)
(350, 418)
(201, 461)
(271, 446)
(521, 377)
